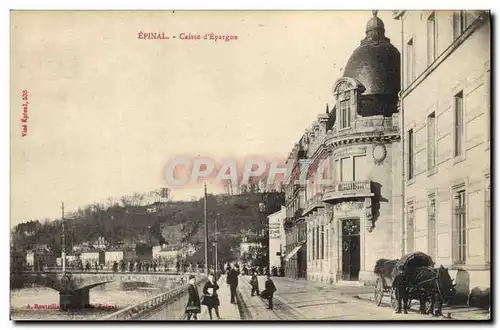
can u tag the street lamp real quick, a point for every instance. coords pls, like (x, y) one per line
(216, 243)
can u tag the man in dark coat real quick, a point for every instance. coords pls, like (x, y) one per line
(232, 281)
(254, 282)
(269, 291)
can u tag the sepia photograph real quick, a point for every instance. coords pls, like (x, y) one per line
(281, 165)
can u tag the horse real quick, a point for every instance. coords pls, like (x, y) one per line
(427, 284)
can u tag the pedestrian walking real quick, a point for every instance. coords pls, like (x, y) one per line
(210, 296)
(254, 282)
(232, 281)
(193, 306)
(269, 291)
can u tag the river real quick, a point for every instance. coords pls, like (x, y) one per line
(111, 297)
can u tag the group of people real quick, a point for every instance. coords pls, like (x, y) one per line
(275, 271)
(210, 297)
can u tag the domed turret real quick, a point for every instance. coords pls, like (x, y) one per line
(376, 62)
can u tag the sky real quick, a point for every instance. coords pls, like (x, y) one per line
(107, 111)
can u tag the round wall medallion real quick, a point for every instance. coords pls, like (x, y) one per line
(379, 153)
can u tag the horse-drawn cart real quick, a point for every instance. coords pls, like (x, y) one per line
(383, 285)
(387, 271)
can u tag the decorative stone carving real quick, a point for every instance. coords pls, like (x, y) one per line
(346, 208)
(379, 153)
(368, 208)
(329, 213)
(369, 214)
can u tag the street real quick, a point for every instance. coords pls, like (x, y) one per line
(303, 300)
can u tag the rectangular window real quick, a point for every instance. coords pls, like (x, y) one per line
(410, 155)
(346, 169)
(322, 242)
(313, 250)
(317, 242)
(458, 124)
(460, 228)
(345, 113)
(410, 66)
(327, 239)
(431, 39)
(432, 225)
(431, 141)
(338, 176)
(311, 245)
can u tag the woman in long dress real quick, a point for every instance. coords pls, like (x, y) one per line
(193, 306)
(211, 298)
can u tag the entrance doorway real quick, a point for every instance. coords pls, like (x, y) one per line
(351, 252)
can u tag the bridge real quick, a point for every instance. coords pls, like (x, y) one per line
(74, 286)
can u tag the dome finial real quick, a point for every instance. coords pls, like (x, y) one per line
(374, 12)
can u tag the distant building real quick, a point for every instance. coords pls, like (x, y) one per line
(40, 259)
(245, 247)
(17, 261)
(276, 237)
(167, 251)
(294, 224)
(70, 260)
(92, 257)
(118, 254)
(100, 243)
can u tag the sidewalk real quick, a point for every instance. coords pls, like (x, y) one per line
(322, 301)
(452, 312)
(227, 311)
(255, 307)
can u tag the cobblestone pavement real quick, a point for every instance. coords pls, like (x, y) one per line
(318, 301)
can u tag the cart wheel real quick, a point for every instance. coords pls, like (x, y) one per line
(394, 300)
(379, 292)
(428, 306)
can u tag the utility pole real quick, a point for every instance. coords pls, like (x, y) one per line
(63, 254)
(206, 232)
(216, 245)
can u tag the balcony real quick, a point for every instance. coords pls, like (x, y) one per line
(348, 189)
(313, 203)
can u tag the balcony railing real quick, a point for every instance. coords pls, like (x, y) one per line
(313, 203)
(347, 190)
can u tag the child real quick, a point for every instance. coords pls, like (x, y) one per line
(254, 282)
(269, 291)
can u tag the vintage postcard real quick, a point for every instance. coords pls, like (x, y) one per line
(250, 165)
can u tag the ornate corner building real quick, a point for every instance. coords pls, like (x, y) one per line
(338, 230)
(347, 224)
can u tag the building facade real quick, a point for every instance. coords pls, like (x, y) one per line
(446, 104)
(294, 223)
(118, 254)
(276, 237)
(351, 221)
(93, 257)
(166, 252)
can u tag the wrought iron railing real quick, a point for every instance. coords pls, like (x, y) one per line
(137, 311)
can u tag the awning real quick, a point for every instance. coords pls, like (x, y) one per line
(294, 251)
